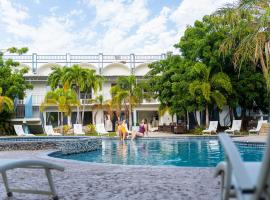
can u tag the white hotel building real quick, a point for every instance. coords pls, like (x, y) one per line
(109, 66)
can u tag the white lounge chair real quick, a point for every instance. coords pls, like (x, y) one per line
(259, 126)
(20, 132)
(100, 129)
(78, 130)
(243, 180)
(49, 131)
(236, 126)
(212, 127)
(9, 164)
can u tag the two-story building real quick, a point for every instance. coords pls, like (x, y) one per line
(109, 66)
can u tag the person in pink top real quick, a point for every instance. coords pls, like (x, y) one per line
(143, 128)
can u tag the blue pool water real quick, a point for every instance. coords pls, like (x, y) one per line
(163, 152)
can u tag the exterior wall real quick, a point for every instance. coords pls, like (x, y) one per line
(109, 66)
(106, 87)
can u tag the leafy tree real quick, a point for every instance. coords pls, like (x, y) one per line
(56, 76)
(93, 83)
(6, 103)
(13, 85)
(75, 76)
(248, 24)
(129, 92)
(211, 88)
(100, 104)
(83, 80)
(64, 98)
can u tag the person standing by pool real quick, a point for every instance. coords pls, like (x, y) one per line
(143, 128)
(122, 131)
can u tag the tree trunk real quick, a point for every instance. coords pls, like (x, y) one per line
(62, 122)
(206, 116)
(83, 110)
(95, 117)
(78, 107)
(187, 120)
(130, 116)
(269, 112)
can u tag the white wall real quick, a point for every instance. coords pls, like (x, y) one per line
(167, 119)
(106, 87)
(116, 69)
(141, 70)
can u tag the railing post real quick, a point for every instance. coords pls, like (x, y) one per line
(163, 56)
(68, 60)
(100, 62)
(34, 63)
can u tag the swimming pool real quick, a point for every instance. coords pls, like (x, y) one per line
(189, 152)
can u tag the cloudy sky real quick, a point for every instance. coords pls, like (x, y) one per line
(93, 26)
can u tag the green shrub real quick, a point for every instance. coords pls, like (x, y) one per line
(90, 128)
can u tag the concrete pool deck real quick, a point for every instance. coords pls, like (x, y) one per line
(87, 181)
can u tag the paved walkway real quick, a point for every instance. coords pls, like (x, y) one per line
(86, 181)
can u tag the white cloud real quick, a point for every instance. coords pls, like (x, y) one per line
(11, 13)
(189, 11)
(120, 26)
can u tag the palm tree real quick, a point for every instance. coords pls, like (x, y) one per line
(64, 98)
(76, 76)
(100, 104)
(6, 103)
(128, 92)
(92, 83)
(209, 87)
(248, 39)
(55, 78)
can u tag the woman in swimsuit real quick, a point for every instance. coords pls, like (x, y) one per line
(122, 131)
(142, 130)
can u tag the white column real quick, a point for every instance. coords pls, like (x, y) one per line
(134, 117)
(69, 120)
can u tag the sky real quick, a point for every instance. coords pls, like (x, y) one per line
(99, 26)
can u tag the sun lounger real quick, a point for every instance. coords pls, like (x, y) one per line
(212, 127)
(49, 131)
(9, 164)
(259, 126)
(100, 129)
(236, 126)
(243, 180)
(78, 130)
(20, 132)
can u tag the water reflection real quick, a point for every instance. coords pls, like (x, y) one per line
(175, 152)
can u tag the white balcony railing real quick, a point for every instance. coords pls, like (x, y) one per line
(152, 101)
(37, 99)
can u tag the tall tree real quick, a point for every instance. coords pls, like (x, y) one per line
(129, 91)
(248, 22)
(56, 76)
(211, 88)
(64, 98)
(93, 83)
(13, 84)
(6, 103)
(99, 104)
(75, 76)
